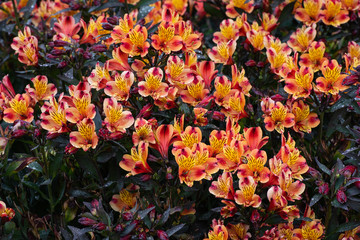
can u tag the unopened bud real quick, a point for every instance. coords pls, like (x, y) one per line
(255, 216)
(162, 235)
(341, 196)
(19, 133)
(99, 48)
(127, 216)
(250, 63)
(87, 221)
(113, 20)
(70, 149)
(99, 226)
(107, 26)
(61, 43)
(324, 189)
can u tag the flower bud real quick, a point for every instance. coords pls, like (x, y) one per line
(37, 133)
(162, 235)
(113, 20)
(250, 63)
(324, 189)
(57, 52)
(87, 221)
(348, 171)
(277, 98)
(118, 228)
(62, 64)
(145, 177)
(341, 196)
(99, 226)
(61, 43)
(219, 116)
(99, 48)
(260, 64)
(19, 133)
(255, 216)
(50, 136)
(104, 134)
(107, 26)
(70, 149)
(314, 173)
(142, 236)
(65, 1)
(127, 216)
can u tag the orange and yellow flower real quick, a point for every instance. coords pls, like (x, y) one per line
(135, 43)
(153, 85)
(246, 5)
(219, 231)
(331, 83)
(300, 85)
(53, 115)
(119, 61)
(315, 57)
(120, 87)
(136, 163)
(279, 118)
(223, 187)
(302, 38)
(125, 200)
(67, 26)
(81, 107)
(254, 167)
(222, 53)
(143, 132)
(228, 31)
(124, 27)
(310, 13)
(166, 41)
(42, 90)
(19, 109)
(194, 92)
(333, 13)
(99, 77)
(246, 195)
(86, 136)
(116, 119)
(304, 120)
(231, 156)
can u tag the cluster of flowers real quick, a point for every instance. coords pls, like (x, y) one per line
(172, 76)
(6, 214)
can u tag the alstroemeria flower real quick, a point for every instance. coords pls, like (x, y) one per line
(254, 167)
(120, 87)
(304, 120)
(136, 163)
(153, 85)
(310, 13)
(86, 136)
(42, 90)
(22, 39)
(223, 187)
(222, 53)
(116, 119)
(246, 5)
(94, 30)
(269, 22)
(135, 43)
(276, 198)
(301, 85)
(28, 53)
(279, 118)
(302, 38)
(177, 73)
(189, 137)
(165, 40)
(234, 105)
(143, 132)
(332, 80)
(256, 39)
(334, 14)
(179, 6)
(53, 115)
(119, 61)
(124, 27)
(313, 230)
(246, 195)
(315, 57)
(239, 81)
(242, 24)
(238, 231)
(228, 31)
(67, 26)
(189, 169)
(291, 190)
(99, 77)
(81, 107)
(125, 200)
(190, 40)
(219, 231)
(200, 118)
(164, 136)
(194, 92)
(19, 109)
(253, 139)
(217, 141)
(206, 69)
(222, 86)
(231, 156)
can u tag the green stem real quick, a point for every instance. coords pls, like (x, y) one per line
(16, 15)
(328, 214)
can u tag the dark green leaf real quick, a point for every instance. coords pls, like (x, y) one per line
(165, 217)
(145, 212)
(128, 229)
(347, 226)
(339, 182)
(143, 3)
(109, 4)
(323, 167)
(35, 166)
(174, 229)
(315, 199)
